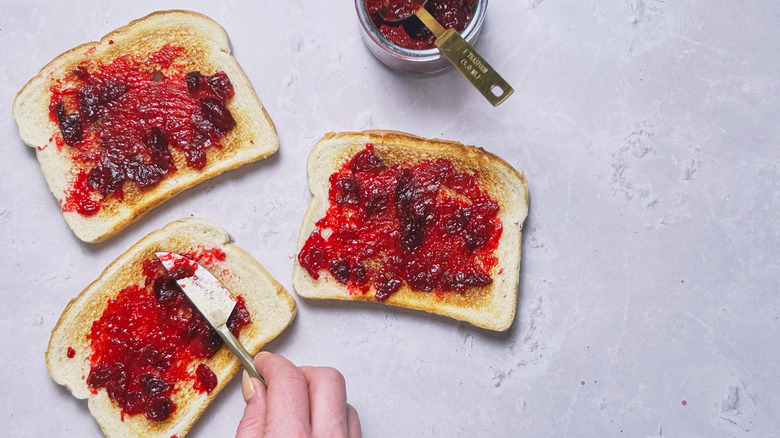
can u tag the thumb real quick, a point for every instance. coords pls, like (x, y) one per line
(252, 424)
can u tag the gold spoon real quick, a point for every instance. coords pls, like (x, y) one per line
(453, 47)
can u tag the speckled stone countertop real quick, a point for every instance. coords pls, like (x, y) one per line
(648, 302)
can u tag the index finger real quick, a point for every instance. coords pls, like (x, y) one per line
(287, 399)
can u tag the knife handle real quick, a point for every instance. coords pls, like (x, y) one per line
(246, 359)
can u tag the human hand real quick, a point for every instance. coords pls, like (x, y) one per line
(299, 402)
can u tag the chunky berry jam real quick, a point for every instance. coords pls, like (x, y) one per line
(411, 33)
(427, 225)
(71, 353)
(148, 338)
(122, 119)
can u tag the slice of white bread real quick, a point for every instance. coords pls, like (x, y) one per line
(270, 306)
(207, 50)
(491, 307)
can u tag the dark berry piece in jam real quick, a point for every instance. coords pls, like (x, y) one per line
(387, 288)
(404, 191)
(349, 190)
(478, 233)
(219, 84)
(217, 113)
(143, 174)
(425, 225)
(154, 386)
(101, 375)
(80, 72)
(157, 140)
(95, 96)
(412, 231)
(339, 268)
(375, 203)
(206, 380)
(149, 356)
(159, 156)
(109, 172)
(160, 408)
(360, 275)
(211, 342)
(70, 125)
(193, 80)
(461, 280)
(167, 291)
(134, 403)
(367, 160)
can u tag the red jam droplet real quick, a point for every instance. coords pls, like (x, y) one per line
(147, 338)
(71, 353)
(123, 119)
(411, 33)
(426, 225)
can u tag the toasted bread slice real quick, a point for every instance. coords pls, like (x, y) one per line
(270, 307)
(207, 50)
(492, 306)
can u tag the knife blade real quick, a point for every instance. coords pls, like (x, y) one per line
(212, 300)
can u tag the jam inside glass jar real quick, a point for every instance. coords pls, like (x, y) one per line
(411, 33)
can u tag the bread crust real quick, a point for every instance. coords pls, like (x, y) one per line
(207, 50)
(271, 308)
(491, 307)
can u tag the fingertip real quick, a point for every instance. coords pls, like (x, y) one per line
(253, 422)
(353, 422)
(247, 388)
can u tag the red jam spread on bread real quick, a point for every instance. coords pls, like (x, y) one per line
(411, 33)
(149, 337)
(122, 120)
(427, 225)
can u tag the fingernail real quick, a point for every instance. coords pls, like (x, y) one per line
(247, 389)
(264, 352)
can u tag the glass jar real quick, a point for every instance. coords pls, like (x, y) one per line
(408, 60)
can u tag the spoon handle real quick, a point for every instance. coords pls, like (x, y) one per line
(460, 53)
(429, 21)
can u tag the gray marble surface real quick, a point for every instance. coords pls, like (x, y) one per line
(648, 301)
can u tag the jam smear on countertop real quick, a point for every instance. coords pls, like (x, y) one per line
(148, 338)
(122, 119)
(411, 33)
(428, 225)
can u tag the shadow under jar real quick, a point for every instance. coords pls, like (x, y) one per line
(386, 40)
